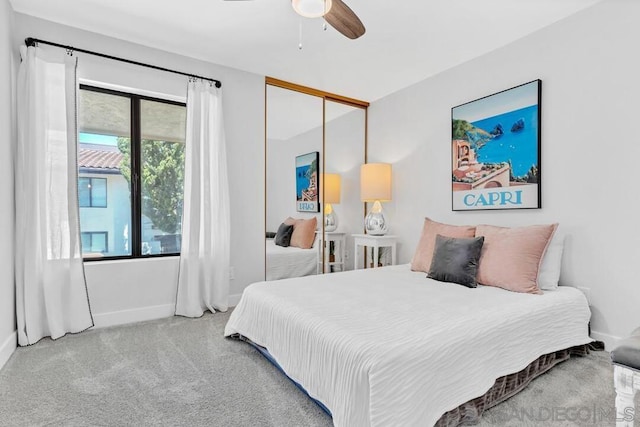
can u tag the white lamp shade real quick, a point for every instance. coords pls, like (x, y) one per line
(375, 182)
(331, 188)
(311, 8)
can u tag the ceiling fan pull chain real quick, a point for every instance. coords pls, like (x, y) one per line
(300, 35)
(324, 23)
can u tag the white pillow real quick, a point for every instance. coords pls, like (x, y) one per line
(549, 272)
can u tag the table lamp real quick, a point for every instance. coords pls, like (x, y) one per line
(375, 186)
(331, 196)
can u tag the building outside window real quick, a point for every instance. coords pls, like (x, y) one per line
(131, 165)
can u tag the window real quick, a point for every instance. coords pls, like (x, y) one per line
(95, 242)
(130, 162)
(92, 192)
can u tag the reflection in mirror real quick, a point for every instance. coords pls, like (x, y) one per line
(344, 153)
(293, 135)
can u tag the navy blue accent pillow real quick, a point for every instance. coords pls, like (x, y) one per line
(455, 260)
(283, 235)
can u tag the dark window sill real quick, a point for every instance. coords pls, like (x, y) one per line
(99, 258)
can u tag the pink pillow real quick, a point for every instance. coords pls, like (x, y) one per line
(424, 252)
(511, 257)
(304, 232)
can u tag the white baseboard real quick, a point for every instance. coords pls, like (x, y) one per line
(8, 347)
(103, 320)
(610, 341)
(234, 299)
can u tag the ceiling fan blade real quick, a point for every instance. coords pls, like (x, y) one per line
(343, 19)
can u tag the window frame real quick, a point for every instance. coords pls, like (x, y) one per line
(135, 232)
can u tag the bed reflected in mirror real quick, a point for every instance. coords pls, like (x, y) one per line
(293, 208)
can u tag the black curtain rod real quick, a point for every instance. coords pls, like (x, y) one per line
(32, 42)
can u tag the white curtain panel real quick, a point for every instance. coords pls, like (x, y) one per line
(51, 292)
(203, 281)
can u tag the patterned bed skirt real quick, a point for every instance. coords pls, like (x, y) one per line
(469, 413)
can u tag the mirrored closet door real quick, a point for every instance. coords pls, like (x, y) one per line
(315, 143)
(344, 212)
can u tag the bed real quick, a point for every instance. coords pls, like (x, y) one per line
(287, 262)
(388, 346)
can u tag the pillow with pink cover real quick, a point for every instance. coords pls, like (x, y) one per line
(511, 257)
(424, 252)
(304, 232)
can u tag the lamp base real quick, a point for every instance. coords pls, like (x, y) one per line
(331, 221)
(375, 223)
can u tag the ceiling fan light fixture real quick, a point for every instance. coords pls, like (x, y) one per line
(311, 8)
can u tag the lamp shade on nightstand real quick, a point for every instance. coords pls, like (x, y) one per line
(375, 186)
(331, 193)
(331, 188)
(375, 182)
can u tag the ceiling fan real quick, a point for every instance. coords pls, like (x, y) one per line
(335, 12)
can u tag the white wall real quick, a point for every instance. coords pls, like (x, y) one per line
(590, 69)
(8, 335)
(122, 291)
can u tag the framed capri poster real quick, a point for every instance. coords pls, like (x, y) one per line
(495, 151)
(307, 188)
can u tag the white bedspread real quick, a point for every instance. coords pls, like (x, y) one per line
(288, 262)
(389, 347)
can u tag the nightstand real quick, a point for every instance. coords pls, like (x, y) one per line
(334, 249)
(374, 242)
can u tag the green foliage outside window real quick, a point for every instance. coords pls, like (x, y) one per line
(162, 180)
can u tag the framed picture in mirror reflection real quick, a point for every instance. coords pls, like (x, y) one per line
(307, 183)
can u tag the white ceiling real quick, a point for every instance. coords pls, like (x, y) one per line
(406, 40)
